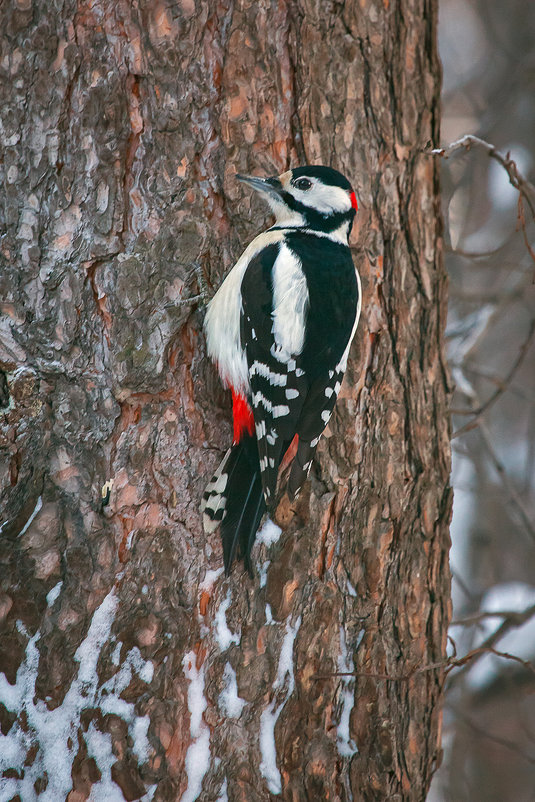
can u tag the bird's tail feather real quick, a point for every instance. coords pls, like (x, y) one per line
(300, 466)
(234, 500)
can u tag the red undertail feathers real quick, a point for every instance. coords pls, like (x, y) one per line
(243, 416)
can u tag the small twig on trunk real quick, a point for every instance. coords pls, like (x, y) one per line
(446, 665)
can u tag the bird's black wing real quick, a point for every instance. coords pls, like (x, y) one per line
(333, 307)
(278, 382)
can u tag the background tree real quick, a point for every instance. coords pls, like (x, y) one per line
(132, 667)
(489, 742)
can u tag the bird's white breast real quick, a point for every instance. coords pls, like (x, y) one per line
(222, 322)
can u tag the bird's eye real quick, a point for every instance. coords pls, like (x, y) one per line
(302, 183)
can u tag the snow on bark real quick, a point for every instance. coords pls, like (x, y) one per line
(230, 703)
(198, 754)
(284, 680)
(267, 535)
(223, 635)
(26, 526)
(56, 731)
(346, 745)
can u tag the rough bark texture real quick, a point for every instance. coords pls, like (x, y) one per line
(122, 127)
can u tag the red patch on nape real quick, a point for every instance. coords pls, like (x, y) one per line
(354, 203)
(243, 416)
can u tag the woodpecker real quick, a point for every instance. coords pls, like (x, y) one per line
(279, 330)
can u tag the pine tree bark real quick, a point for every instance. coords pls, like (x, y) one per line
(132, 667)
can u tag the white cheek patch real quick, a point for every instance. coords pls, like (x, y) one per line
(324, 199)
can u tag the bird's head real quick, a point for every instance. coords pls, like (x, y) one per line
(315, 197)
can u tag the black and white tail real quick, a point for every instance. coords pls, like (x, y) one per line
(234, 501)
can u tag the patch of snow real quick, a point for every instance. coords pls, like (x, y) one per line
(53, 594)
(350, 589)
(344, 742)
(210, 579)
(32, 516)
(116, 654)
(286, 663)
(141, 745)
(268, 719)
(229, 702)
(99, 747)
(262, 571)
(88, 652)
(223, 634)
(269, 533)
(56, 731)
(198, 754)
(268, 766)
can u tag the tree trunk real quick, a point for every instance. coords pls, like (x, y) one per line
(133, 667)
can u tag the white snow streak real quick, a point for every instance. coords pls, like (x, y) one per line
(346, 745)
(53, 594)
(56, 731)
(210, 578)
(269, 533)
(268, 719)
(198, 754)
(223, 634)
(229, 702)
(28, 523)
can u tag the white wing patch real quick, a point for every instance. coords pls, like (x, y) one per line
(290, 302)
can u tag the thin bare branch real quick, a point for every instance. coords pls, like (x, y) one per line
(518, 181)
(526, 190)
(479, 411)
(513, 495)
(516, 618)
(513, 747)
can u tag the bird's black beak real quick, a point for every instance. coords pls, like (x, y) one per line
(268, 186)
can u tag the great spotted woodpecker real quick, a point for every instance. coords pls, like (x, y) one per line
(279, 329)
